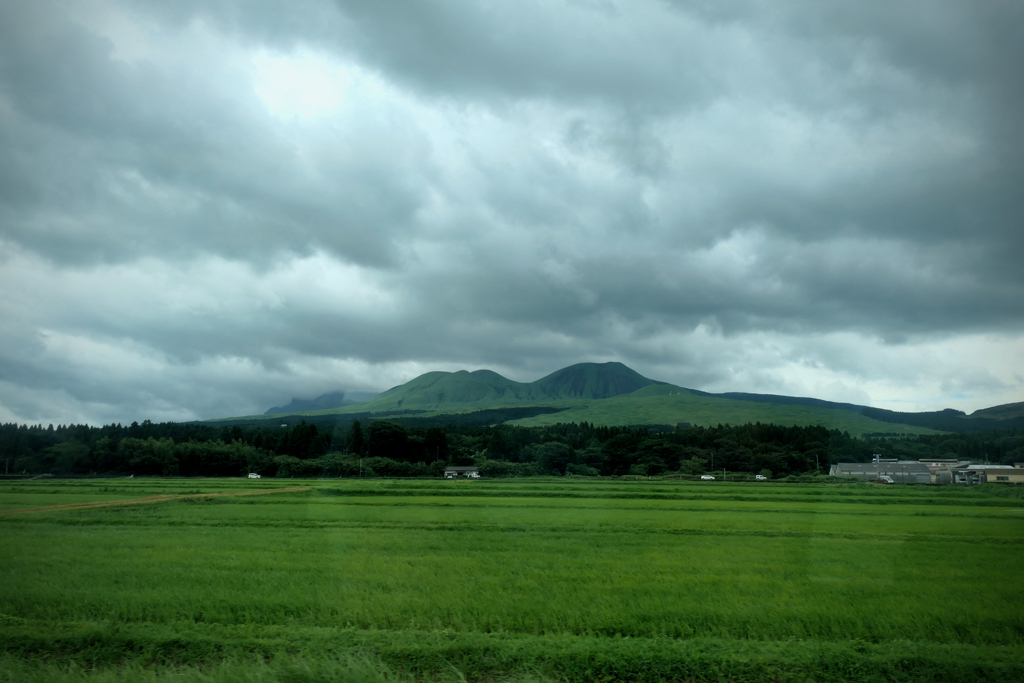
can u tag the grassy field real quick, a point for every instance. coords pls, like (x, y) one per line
(666, 404)
(516, 580)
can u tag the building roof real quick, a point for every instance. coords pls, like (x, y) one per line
(885, 467)
(994, 468)
(460, 468)
(985, 467)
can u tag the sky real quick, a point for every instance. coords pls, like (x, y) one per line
(208, 208)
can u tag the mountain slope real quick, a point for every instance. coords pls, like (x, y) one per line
(1007, 411)
(665, 404)
(592, 381)
(782, 400)
(335, 399)
(613, 394)
(435, 390)
(949, 420)
(470, 390)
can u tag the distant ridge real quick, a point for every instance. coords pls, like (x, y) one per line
(950, 420)
(1007, 411)
(334, 399)
(443, 390)
(782, 400)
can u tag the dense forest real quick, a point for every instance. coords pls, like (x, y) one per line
(387, 448)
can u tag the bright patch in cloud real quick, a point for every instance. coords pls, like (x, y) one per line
(304, 84)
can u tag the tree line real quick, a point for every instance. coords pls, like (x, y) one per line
(386, 448)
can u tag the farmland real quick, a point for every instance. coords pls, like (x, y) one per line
(538, 579)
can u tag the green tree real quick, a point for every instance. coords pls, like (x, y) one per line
(69, 457)
(553, 457)
(435, 443)
(356, 440)
(149, 456)
(653, 463)
(659, 453)
(581, 470)
(500, 446)
(693, 466)
(620, 453)
(388, 440)
(320, 444)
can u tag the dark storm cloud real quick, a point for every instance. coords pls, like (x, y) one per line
(519, 186)
(119, 160)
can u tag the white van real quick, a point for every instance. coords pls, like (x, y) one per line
(706, 477)
(761, 477)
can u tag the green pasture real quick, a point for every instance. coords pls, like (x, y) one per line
(665, 404)
(511, 580)
(14, 501)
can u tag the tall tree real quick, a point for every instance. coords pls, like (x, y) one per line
(436, 444)
(388, 440)
(356, 441)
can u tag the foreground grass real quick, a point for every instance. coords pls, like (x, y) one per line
(531, 580)
(345, 669)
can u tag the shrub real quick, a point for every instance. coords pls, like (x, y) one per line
(292, 467)
(386, 467)
(501, 468)
(581, 470)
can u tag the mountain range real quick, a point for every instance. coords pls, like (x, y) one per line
(614, 394)
(335, 399)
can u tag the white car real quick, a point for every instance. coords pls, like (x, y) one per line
(253, 475)
(761, 477)
(706, 477)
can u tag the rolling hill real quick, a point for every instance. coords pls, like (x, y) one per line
(666, 404)
(1006, 411)
(335, 399)
(614, 394)
(462, 390)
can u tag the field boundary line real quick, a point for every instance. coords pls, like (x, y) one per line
(153, 499)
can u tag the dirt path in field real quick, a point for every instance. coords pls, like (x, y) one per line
(152, 499)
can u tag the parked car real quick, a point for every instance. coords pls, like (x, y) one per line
(253, 475)
(761, 477)
(884, 479)
(706, 477)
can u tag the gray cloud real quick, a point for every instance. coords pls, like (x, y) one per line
(207, 208)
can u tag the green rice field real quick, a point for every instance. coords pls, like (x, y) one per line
(509, 580)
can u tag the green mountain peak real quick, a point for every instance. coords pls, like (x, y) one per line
(462, 389)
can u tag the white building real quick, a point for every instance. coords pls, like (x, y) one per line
(454, 472)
